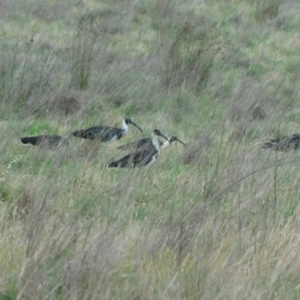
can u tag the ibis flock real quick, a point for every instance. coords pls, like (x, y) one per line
(144, 152)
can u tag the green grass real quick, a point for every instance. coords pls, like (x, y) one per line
(217, 220)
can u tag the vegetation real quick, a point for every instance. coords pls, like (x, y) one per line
(218, 220)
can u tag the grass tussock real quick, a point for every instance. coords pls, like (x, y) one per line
(267, 9)
(64, 103)
(82, 51)
(187, 50)
(215, 220)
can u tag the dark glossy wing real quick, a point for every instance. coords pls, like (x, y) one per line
(104, 133)
(271, 144)
(284, 143)
(295, 138)
(137, 159)
(294, 141)
(137, 145)
(109, 133)
(47, 140)
(34, 140)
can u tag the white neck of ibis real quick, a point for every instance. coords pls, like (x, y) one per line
(155, 141)
(124, 126)
(165, 144)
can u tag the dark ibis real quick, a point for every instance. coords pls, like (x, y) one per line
(141, 158)
(285, 143)
(49, 140)
(105, 133)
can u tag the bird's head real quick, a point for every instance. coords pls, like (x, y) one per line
(129, 121)
(158, 133)
(174, 138)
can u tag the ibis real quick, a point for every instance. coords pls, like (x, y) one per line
(105, 133)
(146, 142)
(48, 140)
(141, 158)
(284, 143)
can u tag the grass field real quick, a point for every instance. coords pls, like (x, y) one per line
(216, 220)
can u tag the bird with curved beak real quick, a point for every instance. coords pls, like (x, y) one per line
(146, 142)
(141, 158)
(105, 133)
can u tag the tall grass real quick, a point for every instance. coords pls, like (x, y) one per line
(267, 9)
(187, 49)
(83, 51)
(217, 220)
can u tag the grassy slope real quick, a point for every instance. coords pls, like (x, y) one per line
(218, 220)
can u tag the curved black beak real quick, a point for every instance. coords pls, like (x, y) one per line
(160, 134)
(178, 140)
(137, 126)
